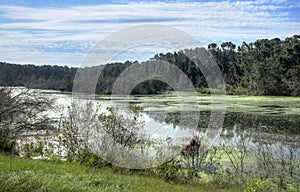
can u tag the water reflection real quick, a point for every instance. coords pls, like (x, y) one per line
(163, 119)
(278, 132)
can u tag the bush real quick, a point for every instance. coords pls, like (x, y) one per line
(224, 180)
(6, 145)
(258, 185)
(240, 91)
(230, 90)
(21, 111)
(206, 90)
(32, 149)
(171, 172)
(89, 158)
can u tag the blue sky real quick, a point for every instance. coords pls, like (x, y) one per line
(62, 32)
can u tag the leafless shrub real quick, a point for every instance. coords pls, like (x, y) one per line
(22, 112)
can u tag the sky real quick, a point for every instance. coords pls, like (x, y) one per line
(56, 32)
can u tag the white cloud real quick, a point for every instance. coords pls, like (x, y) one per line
(45, 30)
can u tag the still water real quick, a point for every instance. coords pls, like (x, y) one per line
(171, 115)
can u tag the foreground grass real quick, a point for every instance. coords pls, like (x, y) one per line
(19, 174)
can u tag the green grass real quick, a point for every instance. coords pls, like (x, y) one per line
(20, 174)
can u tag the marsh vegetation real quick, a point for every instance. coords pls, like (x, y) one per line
(256, 148)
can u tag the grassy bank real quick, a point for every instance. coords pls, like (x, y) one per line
(20, 174)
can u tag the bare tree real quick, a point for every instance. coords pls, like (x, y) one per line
(195, 153)
(238, 152)
(293, 156)
(264, 154)
(278, 159)
(22, 111)
(121, 129)
(287, 155)
(77, 127)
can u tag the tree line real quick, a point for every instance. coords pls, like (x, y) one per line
(263, 67)
(37, 77)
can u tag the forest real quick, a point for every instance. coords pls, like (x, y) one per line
(263, 67)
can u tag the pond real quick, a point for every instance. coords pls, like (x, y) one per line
(181, 116)
(172, 120)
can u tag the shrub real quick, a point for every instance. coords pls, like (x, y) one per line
(170, 171)
(240, 91)
(6, 145)
(230, 90)
(258, 185)
(28, 149)
(21, 111)
(224, 179)
(206, 90)
(89, 158)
